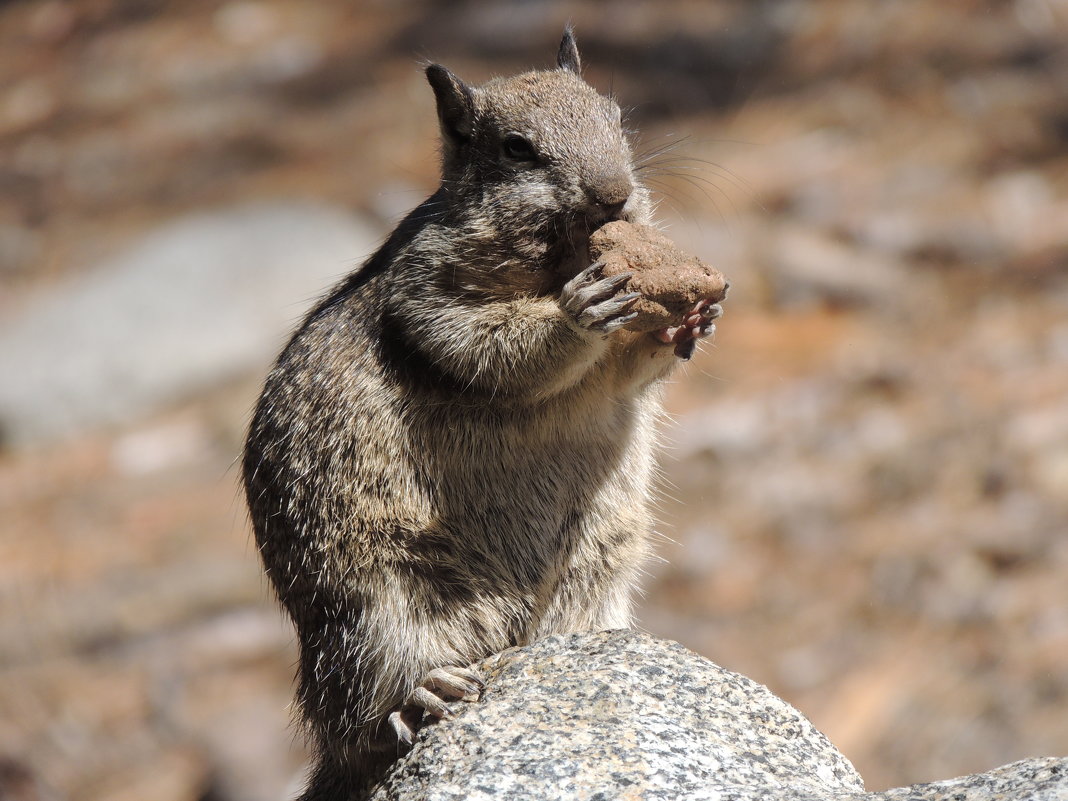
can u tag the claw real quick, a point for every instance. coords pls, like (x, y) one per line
(602, 314)
(697, 324)
(430, 703)
(595, 303)
(589, 275)
(455, 683)
(404, 732)
(616, 323)
(617, 281)
(711, 311)
(430, 700)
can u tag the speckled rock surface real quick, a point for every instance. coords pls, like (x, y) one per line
(1026, 780)
(622, 715)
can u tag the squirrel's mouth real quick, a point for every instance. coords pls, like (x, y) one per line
(575, 244)
(575, 253)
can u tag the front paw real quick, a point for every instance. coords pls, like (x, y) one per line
(598, 304)
(698, 324)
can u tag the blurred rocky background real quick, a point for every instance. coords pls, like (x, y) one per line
(866, 483)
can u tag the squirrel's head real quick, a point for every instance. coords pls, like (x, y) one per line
(543, 148)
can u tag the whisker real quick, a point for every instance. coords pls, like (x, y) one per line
(678, 166)
(643, 157)
(726, 172)
(654, 154)
(681, 204)
(699, 183)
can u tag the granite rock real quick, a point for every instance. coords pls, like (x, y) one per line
(622, 715)
(619, 715)
(1027, 780)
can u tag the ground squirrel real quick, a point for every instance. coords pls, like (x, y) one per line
(453, 454)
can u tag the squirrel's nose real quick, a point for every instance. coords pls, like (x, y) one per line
(608, 194)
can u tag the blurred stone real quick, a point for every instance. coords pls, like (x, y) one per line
(244, 22)
(96, 168)
(19, 249)
(174, 774)
(240, 634)
(728, 429)
(193, 303)
(288, 58)
(52, 21)
(393, 200)
(159, 447)
(808, 267)
(19, 782)
(25, 105)
(1058, 343)
(894, 232)
(1025, 213)
(1051, 473)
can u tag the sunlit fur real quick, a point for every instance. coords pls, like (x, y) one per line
(443, 463)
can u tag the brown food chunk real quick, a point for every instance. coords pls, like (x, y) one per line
(670, 282)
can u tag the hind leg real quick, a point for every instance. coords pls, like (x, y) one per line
(431, 698)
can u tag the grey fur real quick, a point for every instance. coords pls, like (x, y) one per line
(451, 456)
(568, 56)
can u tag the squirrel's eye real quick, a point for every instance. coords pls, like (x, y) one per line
(518, 148)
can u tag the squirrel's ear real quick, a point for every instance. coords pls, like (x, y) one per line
(456, 103)
(568, 56)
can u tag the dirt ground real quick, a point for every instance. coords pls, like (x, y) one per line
(865, 490)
